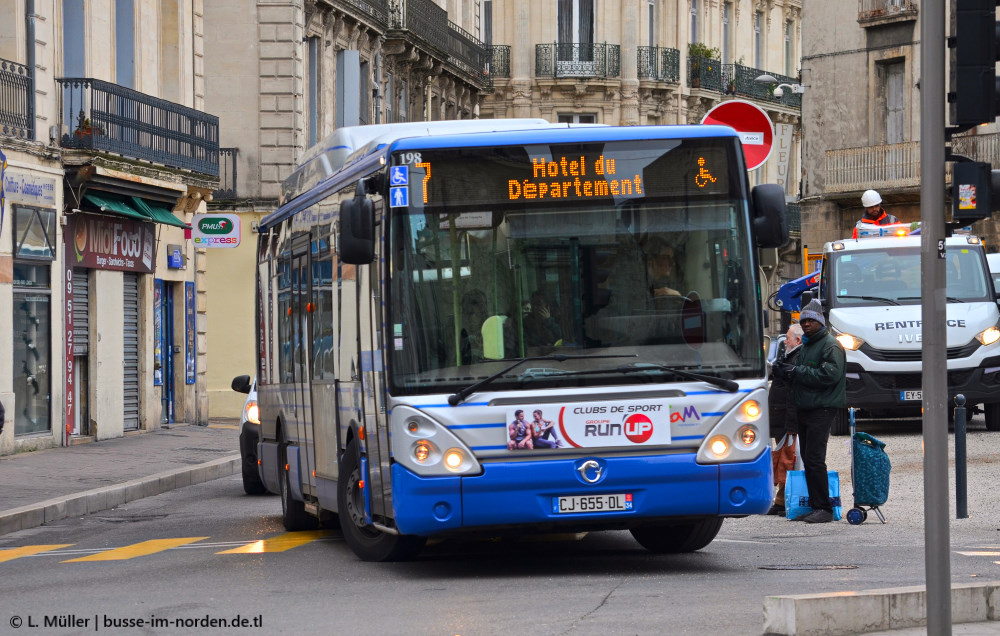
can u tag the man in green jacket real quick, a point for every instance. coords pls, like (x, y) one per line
(818, 391)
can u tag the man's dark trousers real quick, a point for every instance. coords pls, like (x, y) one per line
(814, 433)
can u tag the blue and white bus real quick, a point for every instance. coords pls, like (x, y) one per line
(511, 326)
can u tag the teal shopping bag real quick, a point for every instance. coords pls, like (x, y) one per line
(797, 494)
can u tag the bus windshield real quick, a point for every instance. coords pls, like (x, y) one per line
(863, 278)
(661, 278)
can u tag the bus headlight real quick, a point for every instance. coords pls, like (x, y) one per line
(989, 336)
(740, 435)
(719, 447)
(747, 435)
(750, 411)
(418, 442)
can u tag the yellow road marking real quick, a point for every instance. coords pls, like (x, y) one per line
(136, 550)
(993, 554)
(10, 554)
(279, 543)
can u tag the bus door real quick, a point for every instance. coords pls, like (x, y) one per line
(373, 382)
(301, 307)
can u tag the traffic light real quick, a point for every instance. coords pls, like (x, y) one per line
(974, 75)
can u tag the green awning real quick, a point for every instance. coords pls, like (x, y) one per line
(115, 206)
(158, 214)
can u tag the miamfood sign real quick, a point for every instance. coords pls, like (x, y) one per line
(215, 230)
(100, 242)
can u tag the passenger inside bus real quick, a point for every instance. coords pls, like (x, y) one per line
(661, 264)
(470, 327)
(541, 329)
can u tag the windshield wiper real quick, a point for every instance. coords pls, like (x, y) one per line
(950, 299)
(872, 298)
(722, 383)
(460, 396)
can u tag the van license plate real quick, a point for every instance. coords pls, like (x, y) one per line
(909, 396)
(592, 503)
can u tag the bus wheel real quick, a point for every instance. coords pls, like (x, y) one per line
(841, 423)
(369, 543)
(992, 416)
(293, 512)
(674, 538)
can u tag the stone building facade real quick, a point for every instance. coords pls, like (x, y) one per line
(108, 155)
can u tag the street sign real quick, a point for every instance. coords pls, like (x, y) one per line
(753, 125)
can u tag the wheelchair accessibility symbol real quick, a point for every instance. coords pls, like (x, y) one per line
(399, 175)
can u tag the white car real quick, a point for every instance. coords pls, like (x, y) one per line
(249, 435)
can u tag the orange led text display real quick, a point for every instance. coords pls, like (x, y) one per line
(573, 178)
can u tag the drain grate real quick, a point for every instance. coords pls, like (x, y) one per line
(131, 518)
(808, 567)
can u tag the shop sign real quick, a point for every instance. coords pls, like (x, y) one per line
(215, 230)
(98, 242)
(29, 189)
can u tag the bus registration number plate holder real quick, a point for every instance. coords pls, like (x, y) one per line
(620, 502)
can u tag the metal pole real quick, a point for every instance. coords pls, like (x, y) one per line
(935, 362)
(961, 499)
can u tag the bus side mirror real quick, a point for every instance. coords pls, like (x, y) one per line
(770, 223)
(356, 243)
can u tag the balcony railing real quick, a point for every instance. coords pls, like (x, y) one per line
(16, 116)
(741, 80)
(567, 59)
(99, 115)
(377, 10)
(886, 166)
(467, 53)
(793, 214)
(978, 147)
(423, 18)
(660, 64)
(227, 175)
(870, 11)
(705, 73)
(500, 62)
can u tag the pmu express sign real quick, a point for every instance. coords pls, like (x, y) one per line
(216, 230)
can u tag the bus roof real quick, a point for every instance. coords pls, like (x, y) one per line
(347, 149)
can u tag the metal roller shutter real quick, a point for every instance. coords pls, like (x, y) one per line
(81, 312)
(131, 351)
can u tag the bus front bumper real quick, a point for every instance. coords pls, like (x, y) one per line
(511, 494)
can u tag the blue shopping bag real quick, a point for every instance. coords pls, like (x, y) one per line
(797, 494)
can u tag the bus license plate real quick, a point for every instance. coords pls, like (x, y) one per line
(592, 503)
(909, 396)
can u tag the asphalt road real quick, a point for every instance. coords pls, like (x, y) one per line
(601, 583)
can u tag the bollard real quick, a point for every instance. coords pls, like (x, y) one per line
(961, 502)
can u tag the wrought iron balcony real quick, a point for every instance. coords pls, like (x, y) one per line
(227, 175)
(16, 116)
(741, 80)
(422, 18)
(793, 214)
(467, 53)
(500, 63)
(102, 116)
(567, 59)
(880, 167)
(875, 12)
(978, 147)
(705, 73)
(377, 10)
(660, 64)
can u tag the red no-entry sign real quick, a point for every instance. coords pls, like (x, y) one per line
(751, 122)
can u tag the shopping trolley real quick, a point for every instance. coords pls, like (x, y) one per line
(870, 468)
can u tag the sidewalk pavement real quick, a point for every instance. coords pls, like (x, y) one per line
(43, 486)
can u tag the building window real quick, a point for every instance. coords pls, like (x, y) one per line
(125, 43)
(486, 28)
(32, 355)
(651, 16)
(390, 98)
(570, 118)
(727, 12)
(34, 233)
(403, 98)
(694, 20)
(758, 40)
(895, 103)
(576, 30)
(788, 49)
(313, 89)
(364, 83)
